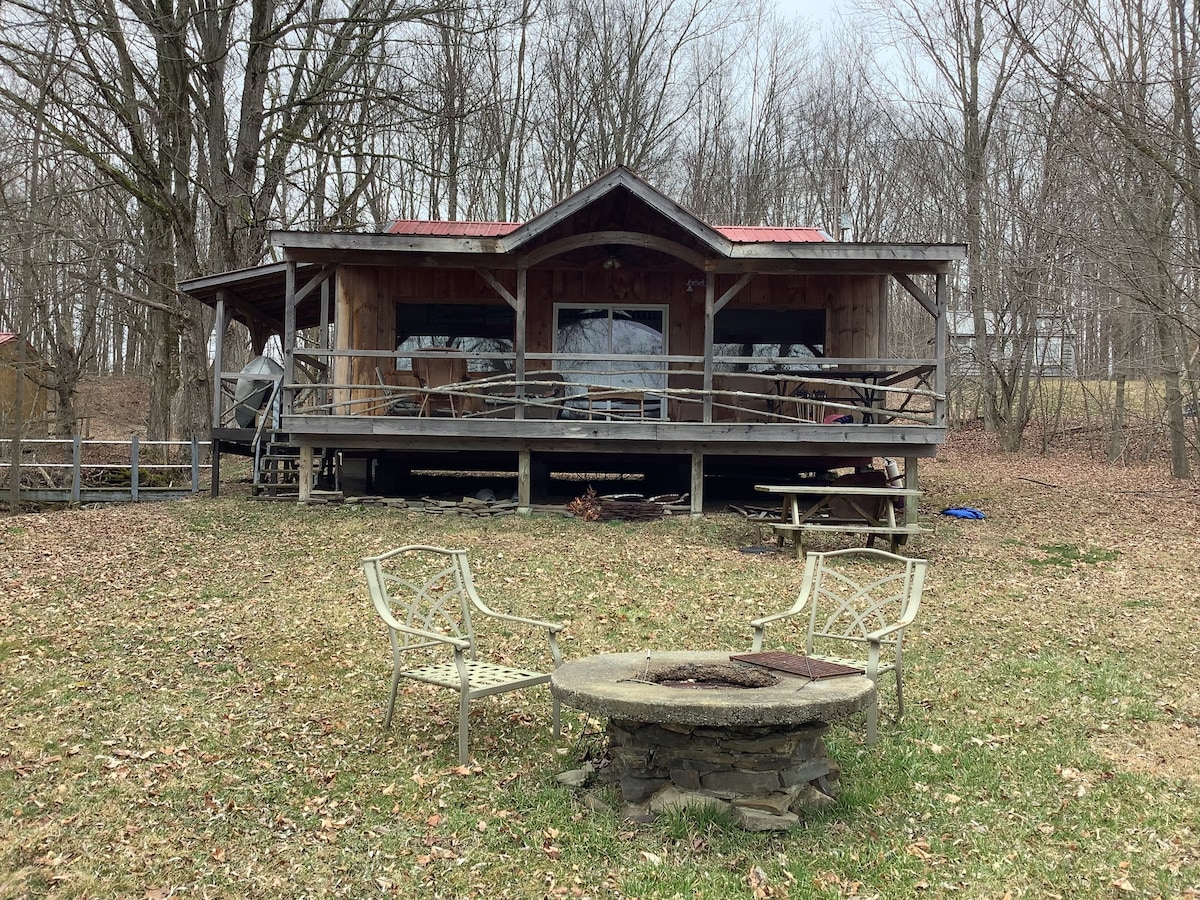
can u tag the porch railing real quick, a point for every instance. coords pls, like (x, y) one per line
(749, 390)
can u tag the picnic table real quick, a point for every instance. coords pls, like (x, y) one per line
(843, 508)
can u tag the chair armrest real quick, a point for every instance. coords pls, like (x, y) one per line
(775, 617)
(760, 624)
(477, 602)
(553, 627)
(879, 635)
(431, 636)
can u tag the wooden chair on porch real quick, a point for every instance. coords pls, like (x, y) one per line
(401, 393)
(433, 372)
(615, 403)
(426, 596)
(860, 596)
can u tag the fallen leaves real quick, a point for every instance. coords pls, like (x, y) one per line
(192, 695)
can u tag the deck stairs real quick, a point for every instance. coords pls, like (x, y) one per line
(277, 468)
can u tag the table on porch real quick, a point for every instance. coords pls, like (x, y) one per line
(831, 507)
(863, 386)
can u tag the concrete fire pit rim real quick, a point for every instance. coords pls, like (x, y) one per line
(606, 685)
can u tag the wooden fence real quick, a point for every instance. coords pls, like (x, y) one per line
(74, 470)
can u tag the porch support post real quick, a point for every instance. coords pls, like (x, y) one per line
(195, 464)
(76, 464)
(520, 311)
(214, 471)
(524, 477)
(324, 342)
(76, 468)
(697, 485)
(289, 337)
(219, 329)
(942, 342)
(134, 462)
(911, 480)
(305, 473)
(710, 314)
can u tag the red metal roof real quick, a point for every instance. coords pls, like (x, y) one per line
(764, 234)
(741, 234)
(5, 337)
(452, 229)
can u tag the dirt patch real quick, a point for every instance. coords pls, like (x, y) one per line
(711, 675)
(1161, 749)
(114, 407)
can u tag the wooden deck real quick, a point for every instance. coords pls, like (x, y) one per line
(645, 436)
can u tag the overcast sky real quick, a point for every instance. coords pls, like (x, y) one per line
(816, 12)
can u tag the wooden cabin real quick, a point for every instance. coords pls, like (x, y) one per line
(24, 375)
(613, 332)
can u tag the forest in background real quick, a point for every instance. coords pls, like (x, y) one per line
(148, 142)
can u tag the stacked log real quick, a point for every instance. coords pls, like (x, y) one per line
(628, 510)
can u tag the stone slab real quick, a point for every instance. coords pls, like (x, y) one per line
(610, 685)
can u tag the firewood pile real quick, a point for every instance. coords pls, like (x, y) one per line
(627, 507)
(469, 507)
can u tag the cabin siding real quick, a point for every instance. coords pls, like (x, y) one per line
(367, 297)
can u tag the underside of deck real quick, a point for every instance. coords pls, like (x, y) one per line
(378, 454)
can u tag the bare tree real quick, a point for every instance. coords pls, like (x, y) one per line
(967, 62)
(196, 111)
(1133, 66)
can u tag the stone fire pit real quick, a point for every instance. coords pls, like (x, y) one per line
(695, 728)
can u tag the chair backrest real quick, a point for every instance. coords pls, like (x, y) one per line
(544, 392)
(427, 589)
(435, 371)
(686, 407)
(852, 593)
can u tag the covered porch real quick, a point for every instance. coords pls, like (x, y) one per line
(615, 326)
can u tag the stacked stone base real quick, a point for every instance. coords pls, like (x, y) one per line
(765, 777)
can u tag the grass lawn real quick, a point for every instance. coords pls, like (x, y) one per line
(191, 697)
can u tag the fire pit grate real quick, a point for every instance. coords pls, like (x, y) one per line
(797, 664)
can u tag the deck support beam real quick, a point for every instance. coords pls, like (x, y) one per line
(304, 476)
(942, 344)
(289, 335)
(912, 481)
(710, 329)
(524, 482)
(697, 487)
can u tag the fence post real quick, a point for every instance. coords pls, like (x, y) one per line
(76, 454)
(133, 470)
(195, 465)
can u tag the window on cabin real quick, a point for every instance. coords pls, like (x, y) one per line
(593, 338)
(741, 337)
(486, 330)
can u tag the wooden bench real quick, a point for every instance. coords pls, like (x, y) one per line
(897, 535)
(847, 508)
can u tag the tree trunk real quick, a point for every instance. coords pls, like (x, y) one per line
(1180, 467)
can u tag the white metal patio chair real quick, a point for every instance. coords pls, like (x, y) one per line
(863, 596)
(426, 596)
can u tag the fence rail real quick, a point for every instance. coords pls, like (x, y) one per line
(74, 470)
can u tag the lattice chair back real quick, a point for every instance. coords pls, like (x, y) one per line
(428, 589)
(859, 592)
